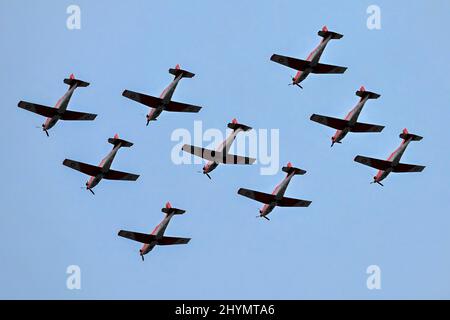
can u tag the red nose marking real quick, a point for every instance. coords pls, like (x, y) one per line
(116, 136)
(325, 28)
(362, 88)
(234, 121)
(289, 165)
(405, 131)
(72, 76)
(177, 66)
(168, 205)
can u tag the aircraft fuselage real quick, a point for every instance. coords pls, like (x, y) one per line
(224, 147)
(394, 158)
(158, 232)
(166, 96)
(61, 105)
(279, 192)
(314, 58)
(105, 164)
(352, 117)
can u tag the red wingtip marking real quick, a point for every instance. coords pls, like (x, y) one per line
(405, 131)
(177, 66)
(325, 29)
(234, 121)
(72, 76)
(116, 136)
(362, 88)
(289, 165)
(168, 205)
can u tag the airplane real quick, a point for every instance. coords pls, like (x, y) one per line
(103, 170)
(392, 164)
(350, 124)
(157, 236)
(59, 112)
(164, 102)
(311, 64)
(277, 198)
(221, 155)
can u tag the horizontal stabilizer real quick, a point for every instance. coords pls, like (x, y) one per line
(374, 163)
(366, 127)
(290, 169)
(405, 135)
(403, 167)
(116, 141)
(82, 167)
(235, 126)
(39, 109)
(363, 93)
(118, 175)
(327, 68)
(325, 34)
(216, 156)
(170, 210)
(72, 81)
(184, 73)
(335, 123)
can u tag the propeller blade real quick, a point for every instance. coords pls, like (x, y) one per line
(207, 174)
(142, 257)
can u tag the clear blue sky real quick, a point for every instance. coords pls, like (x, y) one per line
(48, 223)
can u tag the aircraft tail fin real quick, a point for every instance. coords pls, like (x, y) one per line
(184, 73)
(116, 140)
(235, 125)
(405, 135)
(71, 81)
(169, 210)
(363, 93)
(324, 33)
(290, 169)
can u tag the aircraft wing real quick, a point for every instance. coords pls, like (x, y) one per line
(118, 175)
(327, 68)
(149, 101)
(216, 156)
(291, 202)
(39, 109)
(293, 63)
(181, 107)
(136, 236)
(165, 241)
(330, 121)
(403, 167)
(366, 127)
(374, 163)
(75, 115)
(256, 195)
(82, 167)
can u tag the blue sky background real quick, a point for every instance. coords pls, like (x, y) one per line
(47, 223)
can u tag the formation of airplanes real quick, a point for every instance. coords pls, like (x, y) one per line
(221, 155)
